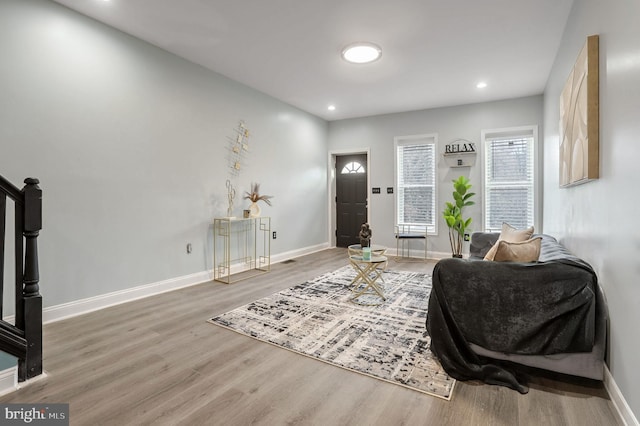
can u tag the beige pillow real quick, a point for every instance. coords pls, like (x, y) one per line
(510, 235)
(524, 251)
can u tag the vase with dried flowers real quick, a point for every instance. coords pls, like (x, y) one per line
(254, 196)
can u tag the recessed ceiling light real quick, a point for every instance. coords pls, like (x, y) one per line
(481, 85)
(331, 107)
(361, 53)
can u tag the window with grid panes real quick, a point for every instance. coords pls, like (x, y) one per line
(509, 184)
(416, 183)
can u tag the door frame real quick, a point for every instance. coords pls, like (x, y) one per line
(331, 187)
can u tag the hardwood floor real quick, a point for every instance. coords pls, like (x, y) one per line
(157, 361)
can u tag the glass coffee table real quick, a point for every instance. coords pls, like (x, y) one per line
(356, 249)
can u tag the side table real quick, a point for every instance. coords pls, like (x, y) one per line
(243, 245)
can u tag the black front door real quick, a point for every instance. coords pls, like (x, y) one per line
(351, 198)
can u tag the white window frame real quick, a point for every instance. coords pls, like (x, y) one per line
(506, 133)
(423, 139)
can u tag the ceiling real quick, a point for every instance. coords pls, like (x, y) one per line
(434, 52)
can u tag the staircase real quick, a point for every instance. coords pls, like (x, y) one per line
(24, 338)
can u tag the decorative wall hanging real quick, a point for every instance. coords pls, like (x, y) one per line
(237, 148)
(579, 117)
(460, 153)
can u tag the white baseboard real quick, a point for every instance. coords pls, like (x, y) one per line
(281, 257)
(417, 253)
(83, 306)
(437, 255)
(8, 380)
(617, 399)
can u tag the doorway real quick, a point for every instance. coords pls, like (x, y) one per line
(351, 197)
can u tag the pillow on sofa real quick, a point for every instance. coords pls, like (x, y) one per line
(523, 251)
(510, 235)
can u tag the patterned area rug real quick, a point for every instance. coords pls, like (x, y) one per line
(316, 319)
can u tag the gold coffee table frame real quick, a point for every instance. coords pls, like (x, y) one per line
(368, 272)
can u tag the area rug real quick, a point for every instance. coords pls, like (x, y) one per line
(317, 319)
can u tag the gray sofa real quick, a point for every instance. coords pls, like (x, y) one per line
(485, 318)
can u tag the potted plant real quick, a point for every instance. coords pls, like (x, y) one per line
(254, 196)
(453, 214)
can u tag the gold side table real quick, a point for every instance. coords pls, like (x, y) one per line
(243, 245)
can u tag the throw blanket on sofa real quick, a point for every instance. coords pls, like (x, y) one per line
(523, 308)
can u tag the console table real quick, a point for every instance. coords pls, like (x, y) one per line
(241, 244)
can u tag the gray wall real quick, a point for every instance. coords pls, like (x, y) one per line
(129, 143)
(598, 220)
(466, 122)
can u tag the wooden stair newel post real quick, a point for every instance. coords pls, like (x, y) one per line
(31, 366)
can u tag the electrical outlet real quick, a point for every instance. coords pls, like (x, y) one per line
(274, 235)
(189, 248)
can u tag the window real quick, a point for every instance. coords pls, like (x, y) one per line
(416, 181)
(352, 167)
(509, 177)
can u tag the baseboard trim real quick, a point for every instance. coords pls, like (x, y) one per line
(281, 257)
(90, 304)
(83, 306)
(277, 258)
(623, 410)
(417, 254)
(8, 380)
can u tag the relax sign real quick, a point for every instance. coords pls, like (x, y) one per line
(456, 148)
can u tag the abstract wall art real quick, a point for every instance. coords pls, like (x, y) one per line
(579, 117)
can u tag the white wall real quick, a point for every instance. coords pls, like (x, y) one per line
(466, 122)
(129, 143)
(598, 220)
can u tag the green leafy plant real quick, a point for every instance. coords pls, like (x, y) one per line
(453, 214)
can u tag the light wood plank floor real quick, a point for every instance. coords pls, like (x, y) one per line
(157, 361)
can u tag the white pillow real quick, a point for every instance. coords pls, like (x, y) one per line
(510, 235)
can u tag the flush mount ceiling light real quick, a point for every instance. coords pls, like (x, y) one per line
(481, 85)
(361, 53)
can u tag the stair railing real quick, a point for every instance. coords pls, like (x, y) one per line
(24, 338)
